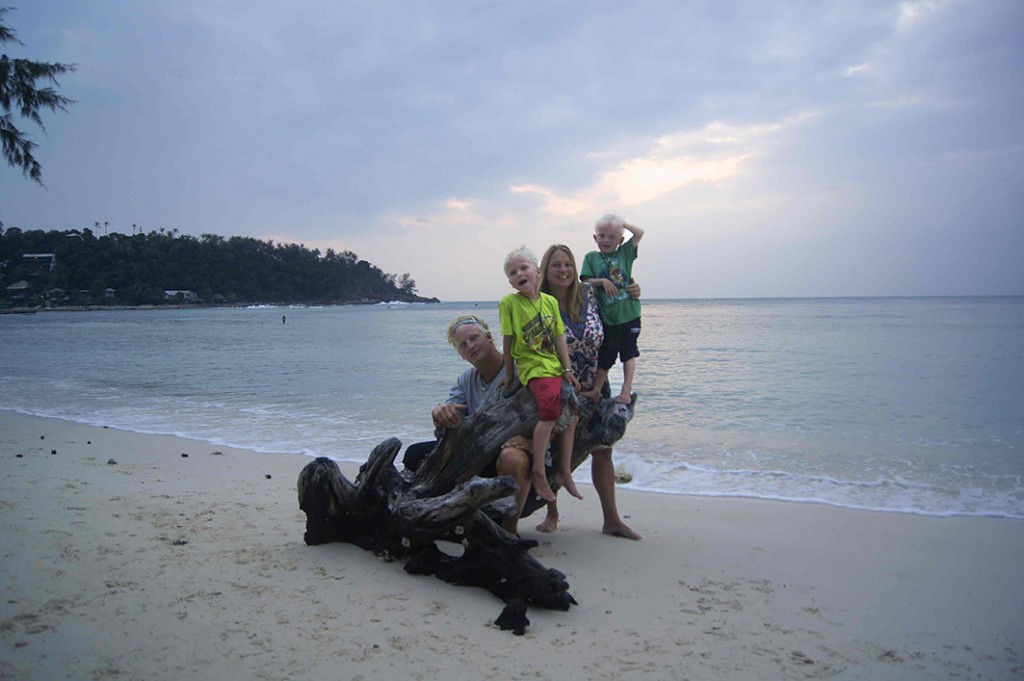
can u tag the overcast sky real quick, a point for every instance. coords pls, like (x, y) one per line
(768, 148)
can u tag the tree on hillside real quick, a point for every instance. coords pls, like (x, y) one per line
(142, 266)
(407, 283)
(18, 91)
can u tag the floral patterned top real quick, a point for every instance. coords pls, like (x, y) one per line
(584, 339)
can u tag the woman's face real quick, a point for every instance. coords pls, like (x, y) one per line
(560, 273)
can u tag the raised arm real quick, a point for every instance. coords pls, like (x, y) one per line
(635, 231)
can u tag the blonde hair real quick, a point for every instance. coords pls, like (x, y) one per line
(463, 320)
(611, 220)
(575, 291)
(521, 252)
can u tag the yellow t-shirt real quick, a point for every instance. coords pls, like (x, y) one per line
(534, 325)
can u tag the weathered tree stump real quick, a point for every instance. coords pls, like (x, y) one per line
(403, 514)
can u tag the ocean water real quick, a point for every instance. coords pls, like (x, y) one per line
(894, 404)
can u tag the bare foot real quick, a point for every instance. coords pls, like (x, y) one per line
(566, 481)
(541, 487)
(620, 529)
(550, 524)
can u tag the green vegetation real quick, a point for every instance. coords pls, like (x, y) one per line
(118, 269)
(18, 91)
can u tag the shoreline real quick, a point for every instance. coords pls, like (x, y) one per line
(203, 306)
(582, 476)
(161, 566)
(437, 301)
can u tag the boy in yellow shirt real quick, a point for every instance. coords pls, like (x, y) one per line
(533, 336)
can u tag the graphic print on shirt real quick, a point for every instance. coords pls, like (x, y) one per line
(538, 333)
(613, 272)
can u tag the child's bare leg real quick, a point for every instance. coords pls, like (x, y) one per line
(514, 460)
(628, 371)
(563, 467)
(550, 522)
(541, 438)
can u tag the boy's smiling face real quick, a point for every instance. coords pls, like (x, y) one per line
(608, 238)
(524, 276)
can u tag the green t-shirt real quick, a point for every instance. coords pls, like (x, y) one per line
(617, 268)
(534, 325)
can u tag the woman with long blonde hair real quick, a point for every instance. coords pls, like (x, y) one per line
(583, 334)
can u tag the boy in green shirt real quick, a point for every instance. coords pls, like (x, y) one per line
(609, 270)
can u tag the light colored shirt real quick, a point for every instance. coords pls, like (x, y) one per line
(472, 390)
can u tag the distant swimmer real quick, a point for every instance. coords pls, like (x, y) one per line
(284, 319)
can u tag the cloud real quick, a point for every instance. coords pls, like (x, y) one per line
(456, 239)
(913, 12)
(859, 69)
(708, 155)
(767, 148)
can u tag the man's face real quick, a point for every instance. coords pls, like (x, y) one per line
(471, 341)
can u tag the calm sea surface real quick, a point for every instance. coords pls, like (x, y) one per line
(895, 404)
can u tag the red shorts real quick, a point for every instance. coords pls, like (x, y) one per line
(548, 393)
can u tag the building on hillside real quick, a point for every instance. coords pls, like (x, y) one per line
(19, 293)
(186, 296)
(55, 297)
(39, 262)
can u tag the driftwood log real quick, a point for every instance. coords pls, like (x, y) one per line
(403, 514)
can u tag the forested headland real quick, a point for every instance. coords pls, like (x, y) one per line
(77, 267)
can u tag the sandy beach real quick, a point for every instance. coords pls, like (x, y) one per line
(124, 559)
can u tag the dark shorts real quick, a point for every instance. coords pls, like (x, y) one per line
(620, 341)
(416, 452)
(547, 390)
